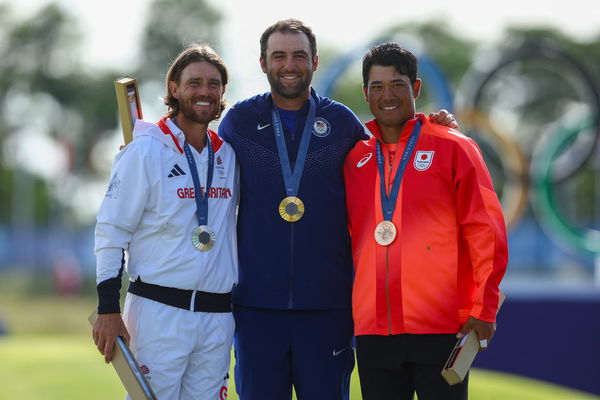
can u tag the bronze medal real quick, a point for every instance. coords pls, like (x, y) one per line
(385, 233)
(291, 209)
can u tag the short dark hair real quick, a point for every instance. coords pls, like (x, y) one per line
(288, 26)
(390, 54)
(193, 53)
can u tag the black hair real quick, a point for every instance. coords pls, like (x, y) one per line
(390, 54)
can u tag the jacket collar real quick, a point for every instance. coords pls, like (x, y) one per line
(267, 104)
(373, 127)
(172, 136)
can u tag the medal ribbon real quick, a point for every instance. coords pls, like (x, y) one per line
(389, 203)
(292, 181)
(200, 196)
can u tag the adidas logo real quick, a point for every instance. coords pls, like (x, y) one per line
(176, 171)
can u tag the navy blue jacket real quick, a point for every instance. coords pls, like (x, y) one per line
(306, 264)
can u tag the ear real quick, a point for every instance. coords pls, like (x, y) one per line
(263, 65)
(365, 91)
(315, 63)
(173, 89)
(416, 88)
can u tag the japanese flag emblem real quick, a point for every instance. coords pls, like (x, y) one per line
(423, 160)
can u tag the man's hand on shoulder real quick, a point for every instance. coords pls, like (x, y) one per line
(105, 331)
(443, 117)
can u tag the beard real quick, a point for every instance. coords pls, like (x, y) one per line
(288, 92)
(186, 108)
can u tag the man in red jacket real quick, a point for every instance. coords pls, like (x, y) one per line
(428, 238)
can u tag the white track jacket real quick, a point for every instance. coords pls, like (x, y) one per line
(149, 210)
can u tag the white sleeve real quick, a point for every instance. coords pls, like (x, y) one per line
(121, 209)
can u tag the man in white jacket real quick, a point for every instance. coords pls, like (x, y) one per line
(170, 206)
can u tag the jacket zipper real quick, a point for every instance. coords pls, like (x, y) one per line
(387, 290)
(291, 275)
(387, 268)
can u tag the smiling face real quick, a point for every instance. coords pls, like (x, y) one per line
(199, 92)
(289, 67)
(391, 98)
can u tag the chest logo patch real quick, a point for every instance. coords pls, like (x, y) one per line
(423, 160)
(261, 127)
(321, 127)
(364, 160)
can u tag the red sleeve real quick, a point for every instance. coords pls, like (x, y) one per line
(482, 229)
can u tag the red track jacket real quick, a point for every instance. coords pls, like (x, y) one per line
(450, 252)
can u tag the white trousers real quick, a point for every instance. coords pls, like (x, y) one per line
(184, 354)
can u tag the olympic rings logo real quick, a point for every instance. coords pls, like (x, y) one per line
(552, 163)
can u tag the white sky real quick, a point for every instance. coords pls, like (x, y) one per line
(336, 23)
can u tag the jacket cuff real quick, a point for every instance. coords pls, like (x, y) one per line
(109, 296)
(483, 313)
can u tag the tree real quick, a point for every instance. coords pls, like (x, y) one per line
(171, 25)
(47, 93)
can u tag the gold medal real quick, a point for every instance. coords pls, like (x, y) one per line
(291, 209)
(203, 238)
(385, 233)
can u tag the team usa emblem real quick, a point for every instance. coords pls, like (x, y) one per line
(321, 127)
(423, 160)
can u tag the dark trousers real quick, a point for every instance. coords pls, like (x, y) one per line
(395, 367)
(310, 350)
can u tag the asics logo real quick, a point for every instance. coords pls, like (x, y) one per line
(261, 127)
(364, 160)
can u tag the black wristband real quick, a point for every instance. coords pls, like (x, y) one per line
(109, 296)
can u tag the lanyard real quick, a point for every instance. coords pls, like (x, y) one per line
(292, 181)
(200, 196)
(389, 203)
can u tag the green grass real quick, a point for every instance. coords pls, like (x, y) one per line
(65, 367)
(55, 368)
(49, 354)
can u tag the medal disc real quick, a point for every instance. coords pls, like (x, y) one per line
(203, 238)
(291, 209)
(385, 233)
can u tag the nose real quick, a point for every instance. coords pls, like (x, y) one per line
(388, 91)
(290, 63)
(204, 89)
